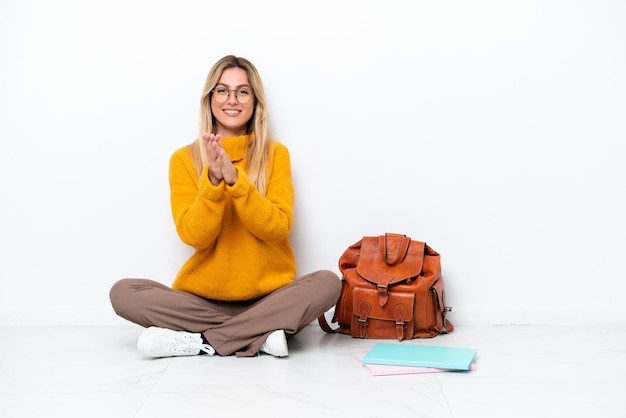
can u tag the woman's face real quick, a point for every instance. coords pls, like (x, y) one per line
(232, 116)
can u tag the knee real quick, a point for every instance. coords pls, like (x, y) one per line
(332, 282)
(119, 294)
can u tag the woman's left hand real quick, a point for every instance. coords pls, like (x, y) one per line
(229, 172)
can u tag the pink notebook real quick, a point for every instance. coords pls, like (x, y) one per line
(383, 370)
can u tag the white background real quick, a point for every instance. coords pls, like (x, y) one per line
(492, 130)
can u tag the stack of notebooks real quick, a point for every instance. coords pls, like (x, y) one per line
(398, 358)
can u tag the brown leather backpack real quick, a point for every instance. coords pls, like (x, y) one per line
(391, 288)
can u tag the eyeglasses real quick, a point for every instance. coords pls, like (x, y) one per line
(243, 94)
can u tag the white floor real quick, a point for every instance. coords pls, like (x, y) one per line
(522, 371)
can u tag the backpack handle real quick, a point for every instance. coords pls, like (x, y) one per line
(394, 247)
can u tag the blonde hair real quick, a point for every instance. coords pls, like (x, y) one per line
(257, 150)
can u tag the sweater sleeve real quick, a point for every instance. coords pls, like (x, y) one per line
(197, 205)
(270, 217)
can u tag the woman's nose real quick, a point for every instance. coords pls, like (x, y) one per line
(232, 97)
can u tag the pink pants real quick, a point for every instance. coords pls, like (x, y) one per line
(230, 327)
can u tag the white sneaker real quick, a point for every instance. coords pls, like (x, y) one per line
(163, 342)
(276, 344)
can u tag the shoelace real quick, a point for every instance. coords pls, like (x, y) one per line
(186, 343)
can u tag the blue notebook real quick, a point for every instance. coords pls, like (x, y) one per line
(456, 358)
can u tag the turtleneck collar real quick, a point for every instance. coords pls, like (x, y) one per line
(235, 146)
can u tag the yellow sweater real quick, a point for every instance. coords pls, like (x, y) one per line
(241, 238)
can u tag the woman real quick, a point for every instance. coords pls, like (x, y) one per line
(232, 200)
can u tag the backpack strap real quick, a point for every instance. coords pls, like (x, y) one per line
(400, 313)
(324, 324)
(363, 310)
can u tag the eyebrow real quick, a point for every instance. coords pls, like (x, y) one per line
(236, 87)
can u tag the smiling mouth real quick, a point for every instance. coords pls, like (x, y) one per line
(232, 112)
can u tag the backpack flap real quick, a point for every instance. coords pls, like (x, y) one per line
(390, 259)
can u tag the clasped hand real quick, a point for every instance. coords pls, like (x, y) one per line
(220, 166)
